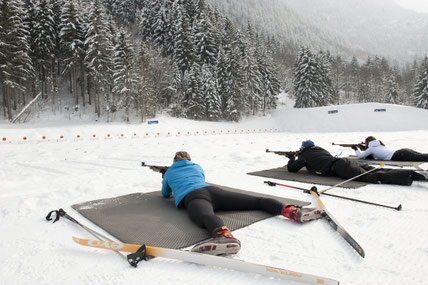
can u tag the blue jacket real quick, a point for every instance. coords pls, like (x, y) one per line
(181, 178)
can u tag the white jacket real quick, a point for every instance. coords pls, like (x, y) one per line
(377, 150)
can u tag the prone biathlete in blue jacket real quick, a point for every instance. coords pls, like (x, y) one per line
(186, 181)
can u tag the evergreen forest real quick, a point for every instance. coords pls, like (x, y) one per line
(127, 60)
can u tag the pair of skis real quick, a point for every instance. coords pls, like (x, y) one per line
(330, 219)
(139, 252)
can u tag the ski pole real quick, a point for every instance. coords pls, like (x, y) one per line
(61, 213)
(352, 178)
(398, 208)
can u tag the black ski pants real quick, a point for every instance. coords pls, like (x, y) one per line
(347, 168)
(203, 202)
(407, 154)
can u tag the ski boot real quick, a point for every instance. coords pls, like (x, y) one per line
(222, 243)
(301, 215)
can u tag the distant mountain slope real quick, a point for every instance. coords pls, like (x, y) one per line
(275, 18)
(345, 26)
(378, 26)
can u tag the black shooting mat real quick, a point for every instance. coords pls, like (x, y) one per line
(304, 176)
(148, 218)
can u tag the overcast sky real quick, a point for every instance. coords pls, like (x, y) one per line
(416, 5)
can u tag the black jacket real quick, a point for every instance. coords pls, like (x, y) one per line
(316, 159)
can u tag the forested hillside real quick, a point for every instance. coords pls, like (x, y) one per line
(128, 59)
(364, 51)
(134, 56)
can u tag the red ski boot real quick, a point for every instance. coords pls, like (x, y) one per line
(301, 215)
(222, 243)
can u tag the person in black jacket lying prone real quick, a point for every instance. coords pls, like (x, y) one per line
(320, 162)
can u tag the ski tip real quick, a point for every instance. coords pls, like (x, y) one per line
(360, 252)
(399, 207)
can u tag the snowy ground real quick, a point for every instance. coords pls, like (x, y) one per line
(39, 175)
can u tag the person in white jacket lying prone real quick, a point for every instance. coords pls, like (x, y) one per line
(376, 149)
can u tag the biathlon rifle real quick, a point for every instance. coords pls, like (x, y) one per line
(285, 153)
(156, 168)
(360, 145)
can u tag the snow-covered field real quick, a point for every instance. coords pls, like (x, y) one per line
(38, 175)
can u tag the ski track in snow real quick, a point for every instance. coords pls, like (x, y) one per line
(39, 177)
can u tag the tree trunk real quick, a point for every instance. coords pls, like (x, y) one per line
(97, 99)
(8, 105)
(70, 86)
(82, 83)
(89, 89)
(44, 85)
(74, 84)
(4, 101)
(127, 109)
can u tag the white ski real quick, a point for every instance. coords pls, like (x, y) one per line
(211, 260)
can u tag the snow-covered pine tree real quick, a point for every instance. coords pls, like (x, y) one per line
(44, 45)
(126, 10)
(160, 29)
(149, 13)
(168, 35)
(29, 7)
(184, 53)
(193, 100)
(98, 53)
(15, 63)
(334, 71)
(57, 58)
(308, 81)
(109, 5)
(326, 85)
(145, 95)
(113, 37)
(234, 100)
(363, 91)
(217, 22)
(205, 44)
(124, 76)
(407, 82)
(270, 83)
(177, 93)
(392, 94)
(420, 92)
(211, 97)
(191, 9)
(352, 79)
(223, 78)
(72, 42)
(384, 74)
(253, 77)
